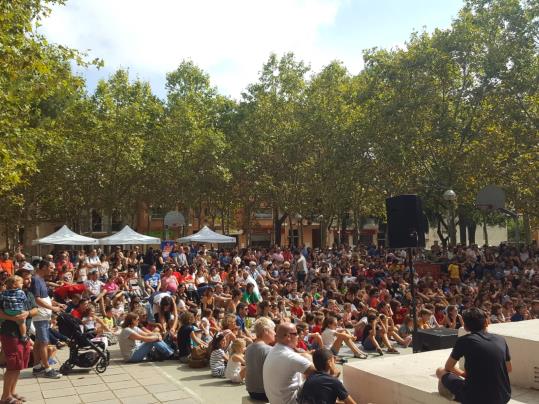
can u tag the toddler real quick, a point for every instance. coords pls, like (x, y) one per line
(14, 302)
(235, 368)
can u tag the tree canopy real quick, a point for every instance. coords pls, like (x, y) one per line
(456, 108)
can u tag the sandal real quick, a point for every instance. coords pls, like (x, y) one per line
(361, 356)
(11, 400)
(380, 352)
(20, 398)
(393, 351)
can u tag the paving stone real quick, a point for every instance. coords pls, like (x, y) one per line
(29, 387)
(27, 381)
(87, 381)
(44, 380)
(93, 397)
(123, 385)
(132, 392)
(161, 388)
(63, 392)
(114, 371)
(188, 400)
(92, 388)
(30, 396)
(146, 399)
(55, 386)
(116, 378)
(63, 400)
(172, 395)
(113, 401)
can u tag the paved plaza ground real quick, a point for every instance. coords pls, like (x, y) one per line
(143, 383)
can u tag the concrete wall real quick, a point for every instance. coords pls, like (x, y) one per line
(411, 379)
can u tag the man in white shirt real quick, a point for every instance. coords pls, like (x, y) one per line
(301, 266)
(283, 367)
(92, 261)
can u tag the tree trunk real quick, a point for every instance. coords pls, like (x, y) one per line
(278, 225)
(472, 227)
(527, 228)
(223, 221)
(291, 244)
(300, 230)
(343, 238)
(462, 230)
(485, 231)
(440, 233)
(355, 239)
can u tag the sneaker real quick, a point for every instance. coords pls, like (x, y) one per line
(38, 369)
(51, 374)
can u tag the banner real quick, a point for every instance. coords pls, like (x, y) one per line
(166, 248)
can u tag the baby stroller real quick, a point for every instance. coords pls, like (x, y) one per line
(85, 351)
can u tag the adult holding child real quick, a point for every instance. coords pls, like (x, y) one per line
(16, 349)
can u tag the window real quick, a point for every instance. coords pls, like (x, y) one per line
(293, 238)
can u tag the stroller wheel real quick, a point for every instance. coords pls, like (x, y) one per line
(66, 367)
(101, 366)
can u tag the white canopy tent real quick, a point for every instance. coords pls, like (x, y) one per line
(128, 236)
(206, 235)
(65, 236)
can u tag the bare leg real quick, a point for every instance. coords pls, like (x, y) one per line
(353, 347)
(387, 343)
(10, 381)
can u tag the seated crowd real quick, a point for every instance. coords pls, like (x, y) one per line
(227, 308)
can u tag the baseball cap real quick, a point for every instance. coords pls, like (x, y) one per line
(27, 267)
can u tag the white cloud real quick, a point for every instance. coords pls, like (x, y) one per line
(229, 39)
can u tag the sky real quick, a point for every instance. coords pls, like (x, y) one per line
(231, 39)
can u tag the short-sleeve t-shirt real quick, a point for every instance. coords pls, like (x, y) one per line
(282, 374)
(487, 378)
(39, 290)
(153, 280)
(321, 388)
(255, 355)
(127, 345)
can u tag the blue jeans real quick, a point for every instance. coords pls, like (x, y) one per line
(144, 349)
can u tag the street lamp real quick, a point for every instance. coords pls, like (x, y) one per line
(451, 197)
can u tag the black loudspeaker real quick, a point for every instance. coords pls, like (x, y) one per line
(406, 223)
(433, 339)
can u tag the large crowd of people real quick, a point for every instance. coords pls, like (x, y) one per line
(251, 313)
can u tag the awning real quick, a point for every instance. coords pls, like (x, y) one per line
(128, 236)
(65, 236)
(206, 235)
